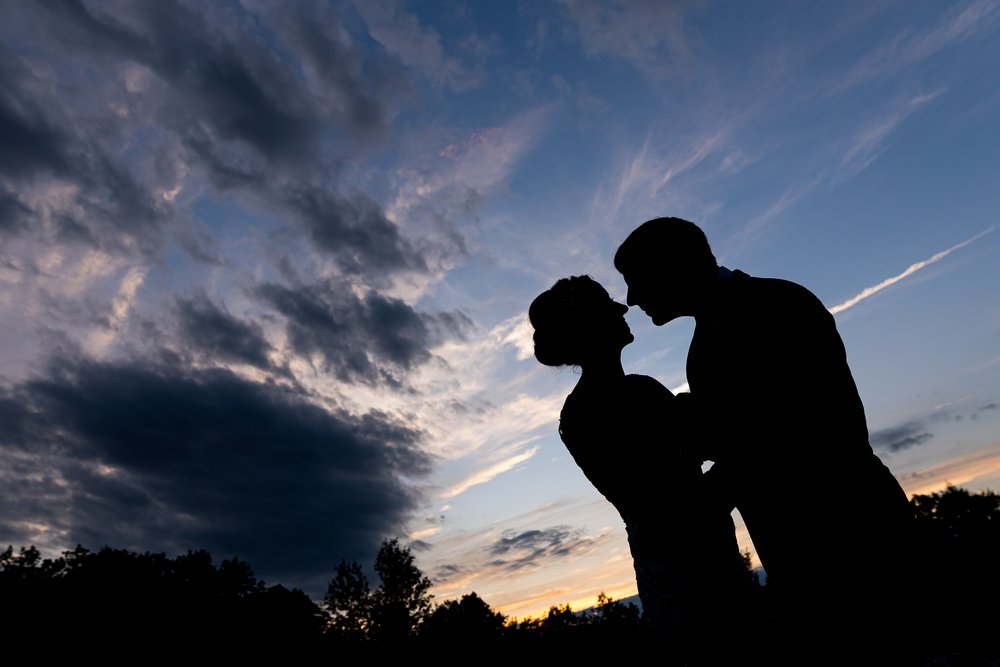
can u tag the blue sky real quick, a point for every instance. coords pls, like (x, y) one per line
(265, 267)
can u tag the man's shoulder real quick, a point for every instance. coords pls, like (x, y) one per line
(773, 292)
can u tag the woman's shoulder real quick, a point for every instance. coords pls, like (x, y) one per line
(624, 405)
(587, 409)
(591, 397)
(646, 385)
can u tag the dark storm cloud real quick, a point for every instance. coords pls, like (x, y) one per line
(150, 457)
(42, 142)
(14, 214)
(518, 550)
(218, 335)
(358, 85)
(369, 339)
(262, 98)
(274, 76)
(225, 78)
(32, 144)
(354, 230)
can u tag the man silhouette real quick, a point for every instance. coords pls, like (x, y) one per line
(774, 404)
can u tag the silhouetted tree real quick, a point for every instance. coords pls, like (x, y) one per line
(348, 601)
(610, 612)
(959, 536)
(402, 601)
(752, 578)
(390, 614)
(559, 621)
(469, 620)
(118, 599)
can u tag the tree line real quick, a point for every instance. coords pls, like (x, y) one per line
(115, 598)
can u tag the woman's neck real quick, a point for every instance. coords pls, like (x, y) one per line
(602, 369)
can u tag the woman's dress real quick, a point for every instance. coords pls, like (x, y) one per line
(629, 439)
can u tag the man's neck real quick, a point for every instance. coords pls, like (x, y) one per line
(709, 293)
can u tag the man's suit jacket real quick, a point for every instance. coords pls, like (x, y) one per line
(784, 423)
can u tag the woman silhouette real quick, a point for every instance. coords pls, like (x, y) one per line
(627, 434)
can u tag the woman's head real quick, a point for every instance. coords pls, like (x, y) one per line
(577, 320)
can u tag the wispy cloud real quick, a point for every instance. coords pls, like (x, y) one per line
(417, 46)
(863, 147)
(910, 270)
(653, 166)
(488, 473)
(909, 48)
(869, 142)
(700, 152)
(477, 163)
(786, 200)
(464, 559)
(650, 35)
(530, 548)
(122, 303)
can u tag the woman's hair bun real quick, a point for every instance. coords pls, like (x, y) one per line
(556, 317)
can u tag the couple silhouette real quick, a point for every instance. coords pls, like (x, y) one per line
(774, 406)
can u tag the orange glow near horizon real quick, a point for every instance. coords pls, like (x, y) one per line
(976, 470)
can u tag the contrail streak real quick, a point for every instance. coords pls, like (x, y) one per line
(910, 270)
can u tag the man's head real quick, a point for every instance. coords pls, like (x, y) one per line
(667, 264)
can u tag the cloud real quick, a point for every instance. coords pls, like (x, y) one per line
(101, 202)
(854, 152)
(705, 148)
(117, 316)
(143, 456)
(416, 46)
(791, 196)
(353, 230)
(488, 473)
(989, 406)
(909, 48)
(900, 437)
(224, 79)
(646, 178)
(32, 143)
(648, 34)
(438, 193)
(216, 335)
(918, 431)
(371, 339)
(532, 548)
(868, 143)
(243, 109)
(446, 571)
(910, 270)
(14, 214)
(261, 98)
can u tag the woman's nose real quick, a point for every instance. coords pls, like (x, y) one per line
(621, 307)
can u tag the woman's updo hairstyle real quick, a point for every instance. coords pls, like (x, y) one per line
(559, 317)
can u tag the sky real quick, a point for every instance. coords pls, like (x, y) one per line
(265, 266)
